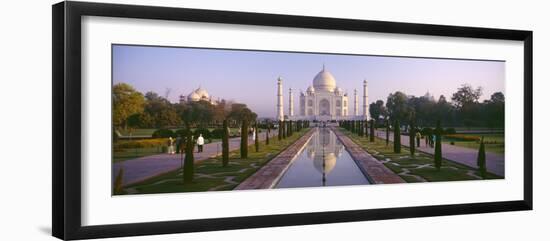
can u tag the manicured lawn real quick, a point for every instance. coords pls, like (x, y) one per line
(493, 142)
(210, 175)
(419, 168)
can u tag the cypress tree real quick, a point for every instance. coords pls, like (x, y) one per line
(225, 144)
(363, 128)
(416, 133)
(189, 163)
(371, 132)
(289, 128)
(284, 126)
(244, 139)
(481, 162)
(280, 129)
(387, 132)
(412, 137)
(267, 132)
(257, 138)
(118, 182)
(397, 137)
(437, 153)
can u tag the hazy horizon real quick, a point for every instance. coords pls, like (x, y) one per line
(250, 77)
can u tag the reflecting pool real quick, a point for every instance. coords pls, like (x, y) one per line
(323, 162)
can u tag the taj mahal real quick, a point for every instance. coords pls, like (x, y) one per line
(323, 101)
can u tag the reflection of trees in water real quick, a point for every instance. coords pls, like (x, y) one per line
(324, 139)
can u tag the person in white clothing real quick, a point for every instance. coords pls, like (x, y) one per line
(200, 142)
(171, 146)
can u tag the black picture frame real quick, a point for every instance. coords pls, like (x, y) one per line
(66, 75)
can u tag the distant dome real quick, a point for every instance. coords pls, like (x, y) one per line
(202, 93)
(324, 81)
(198, 94)
(193, 96)
(310, 89)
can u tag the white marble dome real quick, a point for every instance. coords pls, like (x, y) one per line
(193, 96)
(198, 94)
(310, 89)
(202, 93)
(324, 81)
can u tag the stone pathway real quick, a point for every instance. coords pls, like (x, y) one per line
(140, 169)
(462, 155)
(271, 172)
(376, 172)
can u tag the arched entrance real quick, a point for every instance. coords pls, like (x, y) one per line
(324, 107)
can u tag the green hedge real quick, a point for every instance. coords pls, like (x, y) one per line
(123, 144)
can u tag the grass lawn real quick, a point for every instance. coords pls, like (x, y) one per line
(210, 175)
(493, 142)
(419, 168)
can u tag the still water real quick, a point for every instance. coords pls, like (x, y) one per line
(323, 162)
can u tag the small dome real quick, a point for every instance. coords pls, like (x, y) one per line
(338, 91)
(324, 81)
(202, 93)
(310, 89)
(193, 96)
(198, 94)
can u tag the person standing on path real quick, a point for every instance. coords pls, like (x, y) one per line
(200, 143)
(171, 150)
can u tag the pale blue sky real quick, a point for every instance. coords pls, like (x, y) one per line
(251, 76)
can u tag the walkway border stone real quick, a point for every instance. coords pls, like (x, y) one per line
(373, 169)
(268, 176)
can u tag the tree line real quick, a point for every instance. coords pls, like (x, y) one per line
(132, 109)
(464, 109)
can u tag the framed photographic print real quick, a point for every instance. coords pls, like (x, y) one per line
(170, 120)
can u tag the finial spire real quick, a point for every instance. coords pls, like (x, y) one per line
(323, 66)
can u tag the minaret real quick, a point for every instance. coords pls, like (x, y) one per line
(280, 114)
(356, 104)
(365, 100)
(290, 103)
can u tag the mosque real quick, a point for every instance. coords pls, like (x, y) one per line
(322, 101)
(198, 95)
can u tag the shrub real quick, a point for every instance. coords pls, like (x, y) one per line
(182, 133)
(145, 143)
(450, 131)
(217, 133)
(462, 137)
(205, 133)
(163, 133)
(426, 131)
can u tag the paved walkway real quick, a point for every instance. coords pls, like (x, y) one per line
(463, 155)
(139, 169)
(270, 173)
(373, 169)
